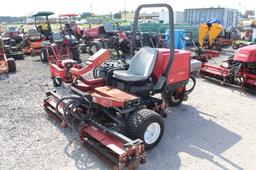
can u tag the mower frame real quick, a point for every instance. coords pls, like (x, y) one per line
(119, 108)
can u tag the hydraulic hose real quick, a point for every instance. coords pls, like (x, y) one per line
(69, 111)
(194, 84)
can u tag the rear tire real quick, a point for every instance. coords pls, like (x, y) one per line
(170, 98)
(146, 125)
(11, 64)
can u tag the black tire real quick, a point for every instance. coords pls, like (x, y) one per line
(95, 46)
(57, 81)
(170, 99)
(32, 53)
(138, 123)
(43, 56)
(235, 46)
(75, 55)
(11, 64)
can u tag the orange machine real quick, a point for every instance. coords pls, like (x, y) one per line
(6, 65)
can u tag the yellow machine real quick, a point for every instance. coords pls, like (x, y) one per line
(209, 31)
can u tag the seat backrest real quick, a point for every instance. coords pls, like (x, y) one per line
(143, 62)
(32, 33)
(57, 37)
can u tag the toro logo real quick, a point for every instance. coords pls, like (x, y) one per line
(105, 102)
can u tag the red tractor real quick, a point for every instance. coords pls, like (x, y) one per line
(70, 25)
(105, 37)
(118, 116)
(63, 47)
(239, 69)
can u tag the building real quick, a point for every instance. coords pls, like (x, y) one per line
(228, 17)
(178, 16)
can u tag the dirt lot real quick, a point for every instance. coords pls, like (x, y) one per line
(214, 129)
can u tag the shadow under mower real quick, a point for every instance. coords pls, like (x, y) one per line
(118, 117)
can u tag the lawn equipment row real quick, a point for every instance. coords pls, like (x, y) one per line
(118, 116)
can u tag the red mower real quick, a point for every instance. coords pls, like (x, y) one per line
(70, 26)
(65, 47)
(6, 65)
(118, 117)
(238, 70)
(105, 37)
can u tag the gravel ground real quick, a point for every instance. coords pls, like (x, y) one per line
(214, 129)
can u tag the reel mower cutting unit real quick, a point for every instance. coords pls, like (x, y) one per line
(239, 70)
(118, 117)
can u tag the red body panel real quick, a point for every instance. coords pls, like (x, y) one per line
(180, 66)
(246, 54)
(92, 32)
(215, 70)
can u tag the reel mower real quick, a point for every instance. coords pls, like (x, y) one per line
(117, 116)
(239, 70)
(105, 37)
(63, 47)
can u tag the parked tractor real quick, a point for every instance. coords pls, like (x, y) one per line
(105, 37)
(12, 43)
(70, 27)
(33, 40)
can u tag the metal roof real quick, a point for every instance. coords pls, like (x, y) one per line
(43, 14)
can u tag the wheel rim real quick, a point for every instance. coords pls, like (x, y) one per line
(152, 133)
(94, 49)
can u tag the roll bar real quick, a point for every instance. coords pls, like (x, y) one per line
(171, 29)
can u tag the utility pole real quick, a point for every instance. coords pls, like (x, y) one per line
(125, 10)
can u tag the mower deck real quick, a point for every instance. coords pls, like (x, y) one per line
(115, 149)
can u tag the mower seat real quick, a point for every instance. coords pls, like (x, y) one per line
(57, 37)
(141, 66)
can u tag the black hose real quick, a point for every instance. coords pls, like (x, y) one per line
(194, 84)
(69, 115)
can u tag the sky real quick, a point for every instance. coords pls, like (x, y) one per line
(22, 7)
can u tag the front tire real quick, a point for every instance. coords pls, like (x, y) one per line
(11, 64)
(146, 125)
(57, 81)
(43, 55)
